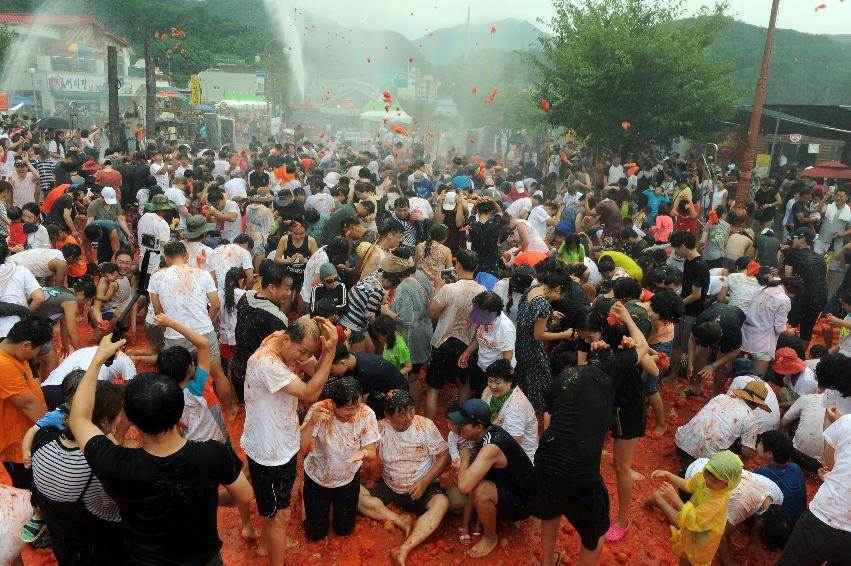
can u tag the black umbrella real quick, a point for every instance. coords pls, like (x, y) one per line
(54, 123)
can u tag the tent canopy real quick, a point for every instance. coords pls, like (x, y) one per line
(829, 170)
(375, 112)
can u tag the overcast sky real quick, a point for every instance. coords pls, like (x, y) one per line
(431, 14)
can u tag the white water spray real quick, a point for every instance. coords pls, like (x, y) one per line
(16, 61)
(290, 38)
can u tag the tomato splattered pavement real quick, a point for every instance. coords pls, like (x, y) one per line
(647, 543)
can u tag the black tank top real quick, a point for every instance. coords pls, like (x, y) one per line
(518, 475)
(291, 250)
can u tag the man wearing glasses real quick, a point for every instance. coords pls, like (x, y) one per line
(330, 287)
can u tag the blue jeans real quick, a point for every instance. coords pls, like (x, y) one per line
(651, 382)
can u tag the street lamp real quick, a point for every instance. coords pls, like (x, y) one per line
(31, 71)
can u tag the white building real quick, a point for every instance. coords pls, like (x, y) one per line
(60, 59)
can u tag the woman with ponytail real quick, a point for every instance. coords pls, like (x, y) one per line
(432, 255)
(228, 298)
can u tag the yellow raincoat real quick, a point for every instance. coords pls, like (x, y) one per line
(703, 518)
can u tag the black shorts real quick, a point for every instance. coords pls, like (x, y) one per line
(273, 486)
(383, 492)
(629, 419)
(444, 365)
(22, 478)
(814, 542)
(510, 506)
(584, 503)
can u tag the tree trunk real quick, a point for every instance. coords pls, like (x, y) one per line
(150, 89)
(114, 133)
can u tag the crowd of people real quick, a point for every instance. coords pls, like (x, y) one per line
(335, 299)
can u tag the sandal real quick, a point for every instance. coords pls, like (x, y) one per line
(616, 532)
(477, 531)
(33, 529)
(464, 537)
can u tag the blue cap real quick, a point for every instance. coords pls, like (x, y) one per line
(462, 182)
(804, 232)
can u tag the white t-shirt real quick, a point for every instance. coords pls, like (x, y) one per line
(224, 257)
(517, 417)
(421, 204)
(409, 455)
(833, 398)
(311, 272)
(270, 436)
(176, 195)
(323, 203)
(162, 179)
(767, 421)
(220, 168)
(534, 242)
(335, 442)
(717, 426)
(54, 147)
(494, 339)
(456, 300)
(237, 187)
(17, 284)
(538, 220)
(37, 260)
(831, 503)
(39, 239)
(199, 254)
(151, 223)
(122, 366)
(182, 291)
(197, 421)
(809, 410)
(520, 205)
(742, 288)
(227, 320)
(805, 384)
(232, 228)
(615, 173)
(748, 497)
(717, 198)
(502, 289)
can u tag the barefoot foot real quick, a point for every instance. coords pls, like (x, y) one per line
(405, 524)
(636, 476)
(659, 429)
(398, 556)
(249, 532)
(484, 547)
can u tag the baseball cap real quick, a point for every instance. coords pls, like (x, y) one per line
(108, 194)
(521, 188)
(538, 195)
(473, 411)
(804, 232)
(449, 201)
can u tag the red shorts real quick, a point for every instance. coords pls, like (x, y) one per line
(227, 350)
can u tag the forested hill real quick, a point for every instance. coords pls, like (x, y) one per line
(805, 68)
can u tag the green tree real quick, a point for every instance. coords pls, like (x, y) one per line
(6, 38)
(629, 71)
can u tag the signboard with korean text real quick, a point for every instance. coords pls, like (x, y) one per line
(4, 101)
(73, 82)
(762, 165)
(195, 90)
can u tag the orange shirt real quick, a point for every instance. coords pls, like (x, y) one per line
(52, 196)
(78, 268)
(16, 378)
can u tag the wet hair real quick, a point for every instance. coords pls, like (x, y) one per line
(153, 402)
(592, 319)
(214, 196)
(350, 222)
(518, 283)
(272, 273)
(311, 216)
(244, 239)
(70, 383)
(86, 286)
(467, 259)
(818, 351)
(33, 209)
(774, 527)
(668, 305)
(437, 233)
(664, 209)
(488, 302)
(323, 307)
(337, 250)
(831, 373)
(109, 400)
(71, 251)
(794, 341)
(390, 226)
(15, 214)
(397, 401)
(174, 362)
(34, 329)
(174, 249)
(93, 231)
(345, 391)
(682, 238)
(232, 279)
(298, 330)
(628, 233)
(385, 327)
(501, 369)
(549, 265)
(793, 284)
(341, 353)
(845, 296)
(556, 280)
(627, 288)
(108, 267)
(606, 264)
(401, 202)
(778, 443)
(742, 263)
(707, 334)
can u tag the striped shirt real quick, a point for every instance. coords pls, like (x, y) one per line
(46, 174)
(365, 300)
(60, 474)
(409, 232)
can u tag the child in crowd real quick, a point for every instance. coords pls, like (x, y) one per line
(775, 449)
(698, 525)
(664, 224)
(17, 238)
(462, 452)
(4, 216)
(233, 291)
(395, 349)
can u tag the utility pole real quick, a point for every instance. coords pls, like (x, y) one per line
(150, 89)
(746, 169)
(112, 82)
(467, 38)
